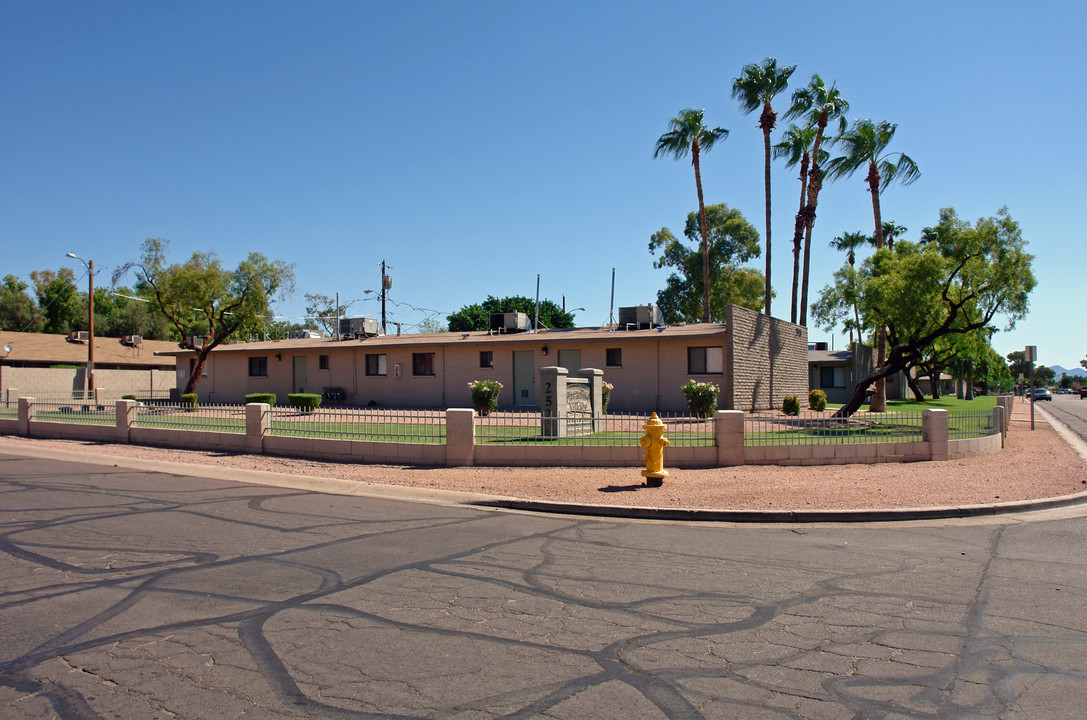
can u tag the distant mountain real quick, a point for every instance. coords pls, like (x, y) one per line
(1074, 372)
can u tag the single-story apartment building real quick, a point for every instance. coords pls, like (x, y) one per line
(756, 360)
(836, 372)
(53, 364)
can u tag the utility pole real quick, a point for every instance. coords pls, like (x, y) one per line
(386, 285)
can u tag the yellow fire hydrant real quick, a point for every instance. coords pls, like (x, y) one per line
(653, 444)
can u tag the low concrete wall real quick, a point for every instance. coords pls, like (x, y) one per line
(460, 448)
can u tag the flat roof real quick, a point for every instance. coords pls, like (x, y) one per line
(478, 337)
(57, 349)
(830, 356)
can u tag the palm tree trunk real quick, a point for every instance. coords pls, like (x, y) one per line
(766, 180)
(798, 232)
(879, 393)
(815, 183)
(705, 234)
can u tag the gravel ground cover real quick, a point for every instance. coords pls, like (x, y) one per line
(1034, 464)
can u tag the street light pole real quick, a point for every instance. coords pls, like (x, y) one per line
(90, 324)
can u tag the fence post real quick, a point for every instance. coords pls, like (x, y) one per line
(26, 415)
(729, 436)
(999, 424)
(126, 414)
(934, 432)
(460, 436)
(11, 395)
(258, 422)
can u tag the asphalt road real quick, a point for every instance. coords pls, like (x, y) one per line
(1070, 410)
(129, 594)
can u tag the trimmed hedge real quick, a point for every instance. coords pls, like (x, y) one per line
(306, 402)
(188, 401)
(128, 397)
(791, 405)
(269, 398)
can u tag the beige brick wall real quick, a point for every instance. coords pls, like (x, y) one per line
(52, 382)
(767, 359)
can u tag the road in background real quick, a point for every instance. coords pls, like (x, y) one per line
(130, 594)
(1070, 410)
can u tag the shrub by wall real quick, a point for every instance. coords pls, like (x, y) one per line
(269, 398)
(306, 402)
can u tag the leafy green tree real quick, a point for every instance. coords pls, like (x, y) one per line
(431, 325)
(992, 372)
(201, 299)
(1044, 376)
(923, 292)
(1018, 364)
(323, 312)
(1083, 362)
(478, 316)
(120, 312)
(819, 105)
(865, 145)
(58, 299)
(795, 146)
(756, 87)
(688, 132)
(732, 240)
(18, 311)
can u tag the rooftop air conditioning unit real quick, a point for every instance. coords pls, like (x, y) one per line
(817, 346)
(132, 340)
(509, 322)
(302, 333)
(79, 336)
(359, 327)
(197, 341)
(639, 317)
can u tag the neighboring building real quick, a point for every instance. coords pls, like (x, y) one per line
(836, 372)
(646, 366)
(42, 363)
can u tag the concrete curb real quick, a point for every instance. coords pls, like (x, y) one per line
(357, 488)
(787, 516)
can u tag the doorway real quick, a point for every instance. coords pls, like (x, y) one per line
(524, 378)
(571, 360)
(300, 375)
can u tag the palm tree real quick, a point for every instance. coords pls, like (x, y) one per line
(848, 243)
(819, 104)
(865, 144)
(891, 230)
(687, 131)
(795, 147)
(756, 87)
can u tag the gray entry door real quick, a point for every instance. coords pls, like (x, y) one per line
(524, 378)
(571, 360)
(300, 377)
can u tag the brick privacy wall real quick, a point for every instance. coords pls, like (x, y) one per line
(64, 381)
(789, 344)
(754, 342)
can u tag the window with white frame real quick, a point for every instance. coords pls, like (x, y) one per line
(706, 360)
(375, 364)
(831, 376)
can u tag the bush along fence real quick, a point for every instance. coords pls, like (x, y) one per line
(459, 436)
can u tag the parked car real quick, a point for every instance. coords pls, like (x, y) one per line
(1042, 394)
(1082, 393)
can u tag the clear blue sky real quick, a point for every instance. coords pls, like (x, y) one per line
(474, 145)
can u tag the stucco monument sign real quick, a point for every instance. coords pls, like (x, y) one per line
(570, 405)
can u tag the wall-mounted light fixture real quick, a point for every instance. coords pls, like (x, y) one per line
(279, 356)
(544, 350)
